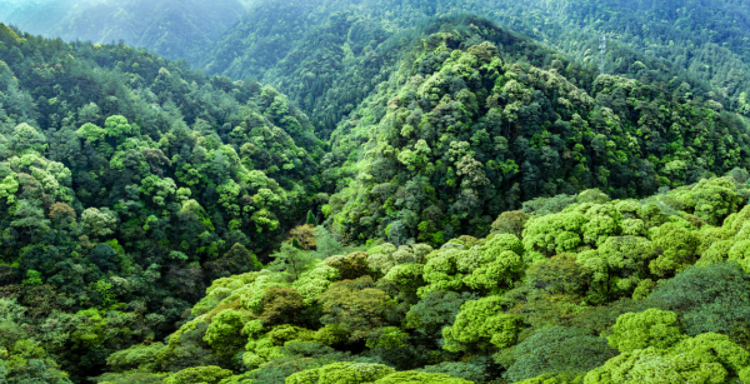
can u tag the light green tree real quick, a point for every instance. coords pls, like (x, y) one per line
(482, 326)
(651, 328)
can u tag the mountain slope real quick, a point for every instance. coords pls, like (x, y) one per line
(128, 182)
(465, 130)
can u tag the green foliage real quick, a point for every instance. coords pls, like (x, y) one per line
(438, 134)
(134, 357)
(709, 299)
(436, 310)
(554, 351)
(481, 326)
(358, 306)
(651, 328)
(421, 378)
(225, 328)
(208, 375)
(293, 261)
(493, 265)
(706, 358)
(678, 249)
(346, 372)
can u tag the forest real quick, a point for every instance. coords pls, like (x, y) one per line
(361, 192)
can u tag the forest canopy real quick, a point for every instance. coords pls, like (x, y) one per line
(376, 192)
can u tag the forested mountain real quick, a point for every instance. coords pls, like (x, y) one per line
(438, 199)
(128, 182)
(702, 41)
(172, 29)
(465, 131)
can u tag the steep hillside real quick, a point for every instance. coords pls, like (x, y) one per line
(127, 182)
(465, 131)
(172, 29)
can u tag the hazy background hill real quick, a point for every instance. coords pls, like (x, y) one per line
(173, 29)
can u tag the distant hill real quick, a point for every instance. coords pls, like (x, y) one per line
(171, 28)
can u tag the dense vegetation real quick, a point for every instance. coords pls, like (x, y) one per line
(172, 29)
(570, 289)
(462, 205)
(128, 182)
(460, 135)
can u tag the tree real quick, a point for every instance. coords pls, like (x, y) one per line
(557, 350)
(91, 132)
(305, 236)
(482, 326)
(420, 378)
(436, 310)
(311, 220)
(292, 261)
(651, 328)
(678, 246)
(29, 216)
(357, 306)
(511, 222)
(224, 331)
(27, 139)
(117, 126)
(706, 358)
(350, 267)
(345, 372)
(559, 275)
(709, 299)
(282, 305)
(208, 374)
(99, 223)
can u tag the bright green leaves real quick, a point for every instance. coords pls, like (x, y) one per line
(656, 351)
(482, 326)
(33, 278)
(341, 373)
(678, 249)
(704, 359)
(117, 126)
(493, 265)
(159, 189)
(651, 328)
(547, 235)
(199, 375)
(390, 338)
(225, 329)
(99, 222)
(91, 132)
(712, 200)
(8, 188)
(229, 193)
(264, 219)
(28, 140)
(420, 378)
(619, 264)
